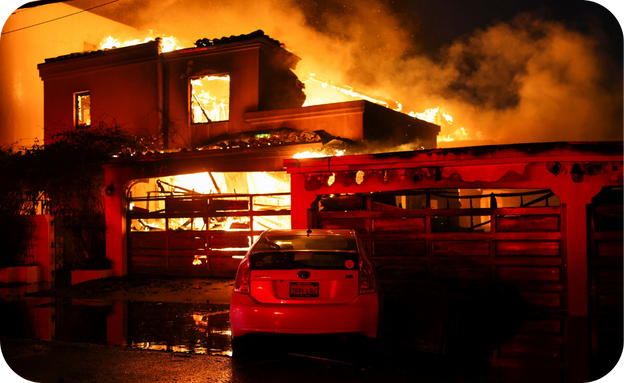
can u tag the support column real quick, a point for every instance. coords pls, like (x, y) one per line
(43, 237)
(117, 324)
(115, 212)
(300, 201)
(576, 197)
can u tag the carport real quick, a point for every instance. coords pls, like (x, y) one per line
(543, 220)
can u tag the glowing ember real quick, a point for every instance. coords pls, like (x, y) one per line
(201, 319)
(198, 260)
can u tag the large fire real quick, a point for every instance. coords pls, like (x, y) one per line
(323, 91)
(244, 203)
(327, 93)
(448, 133)
(320, 154)
(168, 44)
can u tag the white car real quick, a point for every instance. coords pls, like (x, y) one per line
(305, 282)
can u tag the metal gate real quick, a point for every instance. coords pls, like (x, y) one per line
(210, 237)
(427, 236)
(468, 275)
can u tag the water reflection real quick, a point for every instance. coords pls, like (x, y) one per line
(173, 327)
(195, 328)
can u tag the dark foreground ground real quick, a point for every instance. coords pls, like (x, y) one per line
(281, 360)
(443, 338)
(45, 361)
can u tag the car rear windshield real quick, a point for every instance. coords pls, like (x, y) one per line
(313, 242)
(287, 260)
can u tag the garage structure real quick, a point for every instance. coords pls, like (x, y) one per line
(507, 212)
(532, 228)
(453, 234)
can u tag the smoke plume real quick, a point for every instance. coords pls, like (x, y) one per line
(526, 80)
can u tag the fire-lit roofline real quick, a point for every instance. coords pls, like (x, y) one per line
(462, 156)
(75, 63)
(257, 43)
(253, 40)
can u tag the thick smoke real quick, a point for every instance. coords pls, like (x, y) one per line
(526, 80)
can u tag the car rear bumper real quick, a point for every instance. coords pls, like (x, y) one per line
(358, 316)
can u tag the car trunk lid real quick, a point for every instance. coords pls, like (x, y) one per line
(304, 277)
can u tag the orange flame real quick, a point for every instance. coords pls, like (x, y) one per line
(315, 98)
(309, 154)
(316, 95)
(167, 44)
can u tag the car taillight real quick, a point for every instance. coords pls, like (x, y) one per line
(366, 278)
(241, 284)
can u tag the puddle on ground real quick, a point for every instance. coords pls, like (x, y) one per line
(176, 327)
(475, 335)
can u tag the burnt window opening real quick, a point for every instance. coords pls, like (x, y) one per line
(210, 99)
(82, 109)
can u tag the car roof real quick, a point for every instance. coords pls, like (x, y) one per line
(313, 232)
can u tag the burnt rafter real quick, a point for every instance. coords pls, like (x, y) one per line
(205, 42)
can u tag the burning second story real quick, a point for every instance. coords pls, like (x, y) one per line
(220, 89)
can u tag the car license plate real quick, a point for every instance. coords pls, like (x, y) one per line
(304, 289)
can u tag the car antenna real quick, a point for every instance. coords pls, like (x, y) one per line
(309, 231)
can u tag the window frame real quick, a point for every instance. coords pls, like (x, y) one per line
(190, 96)
(77, 95)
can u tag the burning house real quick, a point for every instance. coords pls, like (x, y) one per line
(224, 116)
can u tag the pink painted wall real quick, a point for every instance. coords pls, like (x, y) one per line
(123, 84)
(115, 212)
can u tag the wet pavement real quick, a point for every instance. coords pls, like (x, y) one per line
(74, 340)
(64, 336)
(198, 328)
